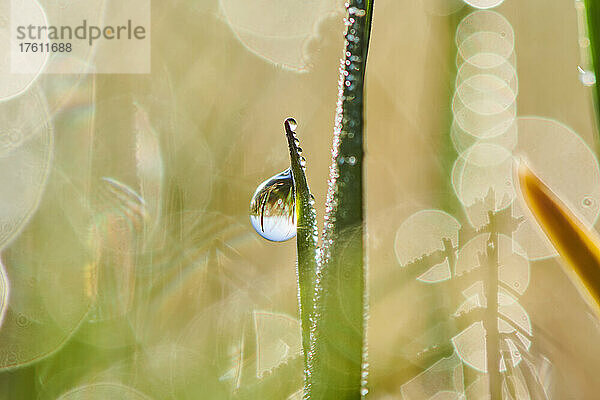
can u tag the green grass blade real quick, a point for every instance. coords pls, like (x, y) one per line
(337, 342)
(593, 20)
(306, 236)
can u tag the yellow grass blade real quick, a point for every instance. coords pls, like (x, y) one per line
(578, 246)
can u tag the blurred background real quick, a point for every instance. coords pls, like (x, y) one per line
(131, 269)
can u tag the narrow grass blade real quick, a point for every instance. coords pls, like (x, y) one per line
(306, 234)
(336, 358)
(578, 246)
(593, 19)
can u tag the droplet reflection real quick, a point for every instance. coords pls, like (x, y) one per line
(272, 208)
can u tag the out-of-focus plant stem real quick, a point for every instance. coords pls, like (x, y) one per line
(577, 245)
(490, 321)
(447, 152)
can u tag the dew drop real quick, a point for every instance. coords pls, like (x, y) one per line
(272, 208)
(357, 11)
(588, 201)
(293, 124)
(584, 42)
(587, 77)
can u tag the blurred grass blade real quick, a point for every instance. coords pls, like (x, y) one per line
(578, 246)
(150, 168)
(306, 234)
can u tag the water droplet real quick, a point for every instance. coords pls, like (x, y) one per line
(356, 11)
(272, 209)
(364, 391)
(588, 78)
(293, 124)
(588, 201)
(351, 160)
